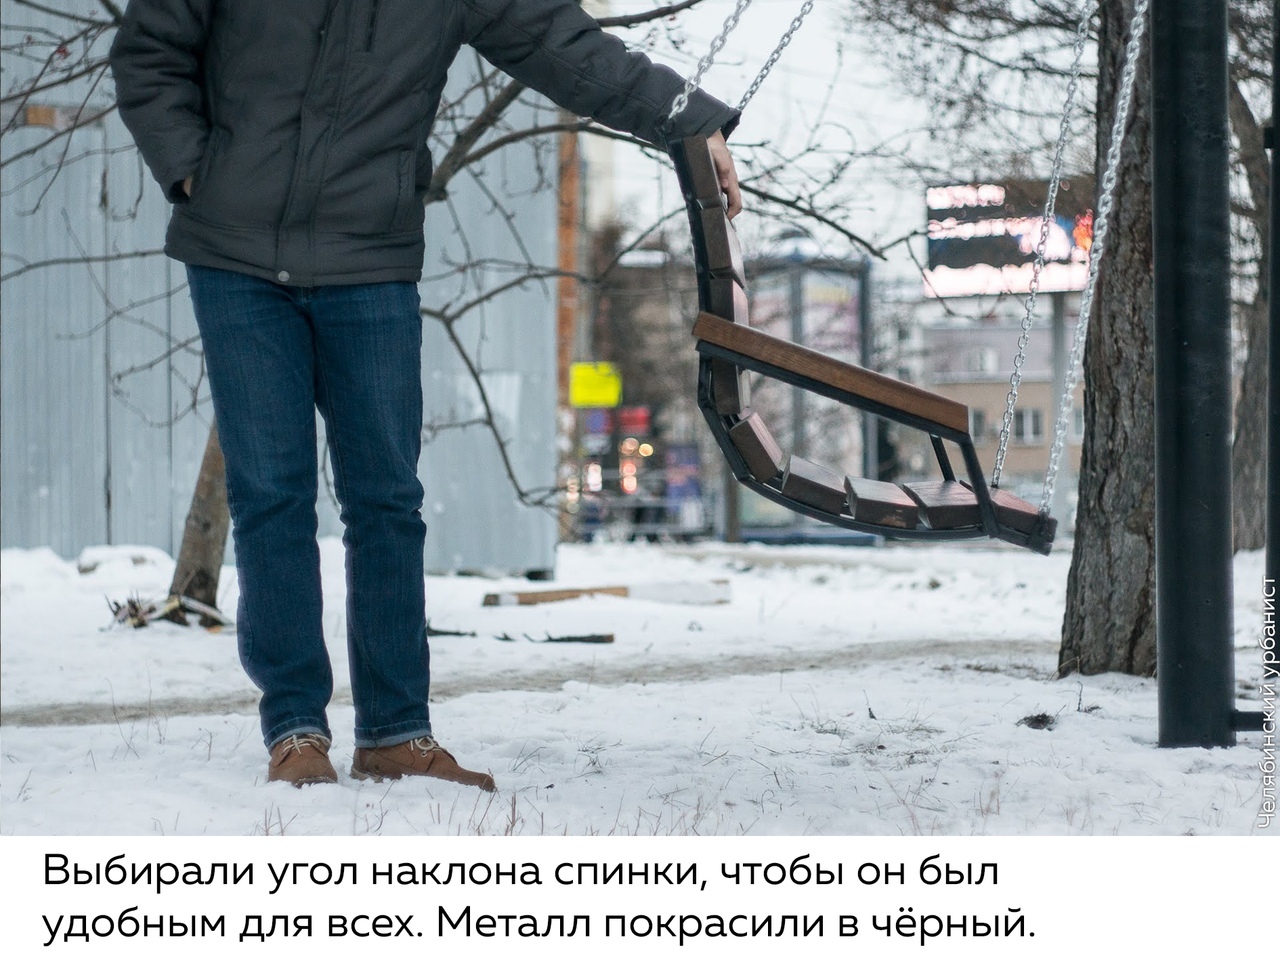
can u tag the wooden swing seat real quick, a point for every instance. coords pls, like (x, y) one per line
(946, 509)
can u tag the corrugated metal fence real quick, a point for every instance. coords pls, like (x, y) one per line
(103, 404)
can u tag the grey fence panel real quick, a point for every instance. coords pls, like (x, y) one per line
(141, 414)
(53, 446)
(505, 217)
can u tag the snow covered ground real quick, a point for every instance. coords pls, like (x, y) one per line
(842, 691)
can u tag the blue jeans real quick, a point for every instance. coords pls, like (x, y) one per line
(275, 354)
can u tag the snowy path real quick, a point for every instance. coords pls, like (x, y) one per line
(546, 680)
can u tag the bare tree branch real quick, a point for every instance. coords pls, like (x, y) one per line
(77, 18)
(81, 121)
(65, 261)
(659, 13)
(810, 212)
(455, 158)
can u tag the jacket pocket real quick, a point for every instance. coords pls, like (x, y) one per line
(202, 169)
(406, 190)
(242, 181)
(424, 168)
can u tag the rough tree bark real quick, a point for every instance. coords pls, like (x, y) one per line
(204, 538)
(1249, 445)
(1110, 615)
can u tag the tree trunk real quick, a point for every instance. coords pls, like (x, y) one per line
(1110, 619)
(1249, 445)
(204, 539)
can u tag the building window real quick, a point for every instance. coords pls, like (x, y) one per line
(1028, 427)
(982, 360)
(978, 426)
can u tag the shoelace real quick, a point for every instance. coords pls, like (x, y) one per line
(426, 745)
(299, 740)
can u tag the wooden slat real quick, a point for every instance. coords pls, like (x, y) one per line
(813, 484)
(727, 300)
(874, 501)
(836, 373)
(945, 504)
(732, 389)
(701, 168)
(757, 446)
(676, 591)
(530, 597)
(1016, 513)
(724, 252)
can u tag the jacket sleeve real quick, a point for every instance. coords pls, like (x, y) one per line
(556, 48)
(156, 59)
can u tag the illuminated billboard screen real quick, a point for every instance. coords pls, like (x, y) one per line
(982, 237)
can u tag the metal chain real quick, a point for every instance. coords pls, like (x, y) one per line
(776, 55)
(1101, 229)
(1050, 206)
(690, 85)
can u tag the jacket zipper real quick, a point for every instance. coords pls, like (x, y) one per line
(291, 197)
(373, 24)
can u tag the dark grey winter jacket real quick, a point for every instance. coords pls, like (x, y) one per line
(304, 122)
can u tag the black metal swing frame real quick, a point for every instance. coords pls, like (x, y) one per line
(726, 348)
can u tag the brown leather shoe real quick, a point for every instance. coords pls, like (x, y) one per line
(420, 757)
(301, 760)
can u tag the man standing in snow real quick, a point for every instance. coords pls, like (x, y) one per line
(291, 137)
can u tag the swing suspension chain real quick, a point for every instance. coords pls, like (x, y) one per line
(776, 55)
(1042, 244)
(692, 84)
(1101, 229)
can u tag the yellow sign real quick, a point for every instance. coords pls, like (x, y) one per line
(594, 385)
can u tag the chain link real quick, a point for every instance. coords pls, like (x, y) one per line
(1042, 244)
(1101, 229)
(776, 55)
(692, 84)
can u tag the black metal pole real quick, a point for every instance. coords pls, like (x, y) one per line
(867, 357)
(732, 506)
(795, 300)
(1189, 140)
(1059, 357)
